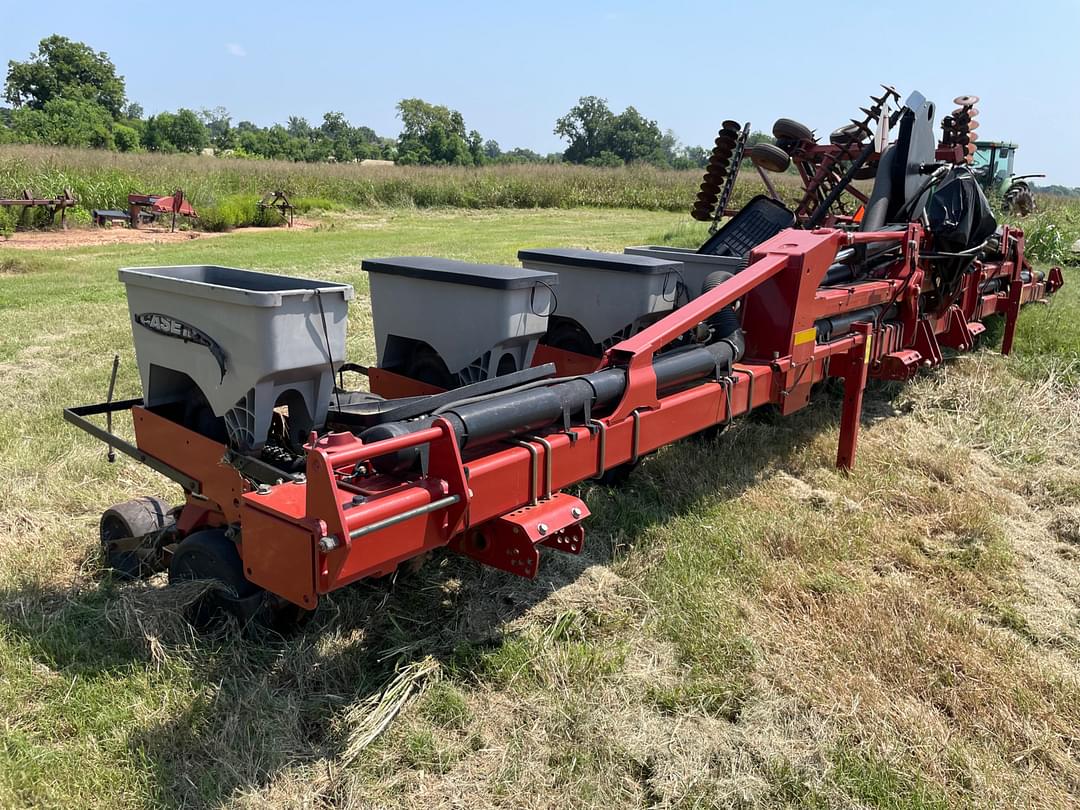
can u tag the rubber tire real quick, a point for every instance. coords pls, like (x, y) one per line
(1019, 200)
(132, 518)
(844, 135)
(209, 554)
(786, 129)
(770, 158)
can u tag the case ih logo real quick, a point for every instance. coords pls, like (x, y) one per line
(171, 327)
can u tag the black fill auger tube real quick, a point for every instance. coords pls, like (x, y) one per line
(538, 405)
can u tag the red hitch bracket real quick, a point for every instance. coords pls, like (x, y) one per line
(509, 542)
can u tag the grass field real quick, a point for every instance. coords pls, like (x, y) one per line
(747, 627)
(104, 179)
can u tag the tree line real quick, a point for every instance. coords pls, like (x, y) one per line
(68, 94)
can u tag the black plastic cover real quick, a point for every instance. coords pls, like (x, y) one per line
(959, 215)
(760, 219)
(431, 268)
(595, 260)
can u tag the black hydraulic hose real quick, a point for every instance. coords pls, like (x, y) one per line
(516, 412)
(840, 325)
(724, 322)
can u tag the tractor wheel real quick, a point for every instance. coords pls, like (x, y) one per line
(134, 518)
(1020, 200)
(210, 555)
(770, 158)
(787, 130)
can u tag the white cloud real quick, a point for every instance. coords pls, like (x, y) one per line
(235, 49)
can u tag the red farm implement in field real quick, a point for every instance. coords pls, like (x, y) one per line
(498, 387)
(148, 207)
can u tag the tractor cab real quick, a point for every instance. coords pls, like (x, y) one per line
(992, 163)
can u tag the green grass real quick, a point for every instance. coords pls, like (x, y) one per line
(747, 626)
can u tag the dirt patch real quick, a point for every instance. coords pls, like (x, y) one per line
(92, 237)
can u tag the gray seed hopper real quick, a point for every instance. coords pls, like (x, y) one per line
(246, 341)
(609, 295)
(451, 323)
(695, 266)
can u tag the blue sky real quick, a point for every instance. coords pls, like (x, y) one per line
(512, 69)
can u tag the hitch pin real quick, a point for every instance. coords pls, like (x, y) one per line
(108, 400)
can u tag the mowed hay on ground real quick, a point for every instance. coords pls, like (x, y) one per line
(747, 626)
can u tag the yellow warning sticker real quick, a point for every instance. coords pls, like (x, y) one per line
(869, 342)
(806, 336)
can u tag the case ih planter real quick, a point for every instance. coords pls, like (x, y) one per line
(322, 487)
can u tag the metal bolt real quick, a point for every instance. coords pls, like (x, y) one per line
(328, 543)
(575, 512)
(263, 489)
(542, 528)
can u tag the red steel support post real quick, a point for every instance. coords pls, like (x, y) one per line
(858, 364)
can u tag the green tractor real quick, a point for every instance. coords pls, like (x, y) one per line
(992, 165)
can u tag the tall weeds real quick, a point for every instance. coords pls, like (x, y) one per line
(104, 179)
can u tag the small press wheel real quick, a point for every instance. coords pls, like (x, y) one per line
(134, 518)
(571, 337)
(426, 366)
(210, 555)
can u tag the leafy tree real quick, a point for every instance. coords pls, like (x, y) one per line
(188, 133)
(66, 93)
(691, 157)
(338, 134)
(218, 125)
(127, 138)
(280, 145)
(432, 134)
(520, 155)
(251, 140)
(587, 127)
(181, 131)
(598, 137)
(61, 68)
(298, 127)
(476, 147)
(65, 122)
(156, 136)
(492, 150)
(635, 138)
(334, 125)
